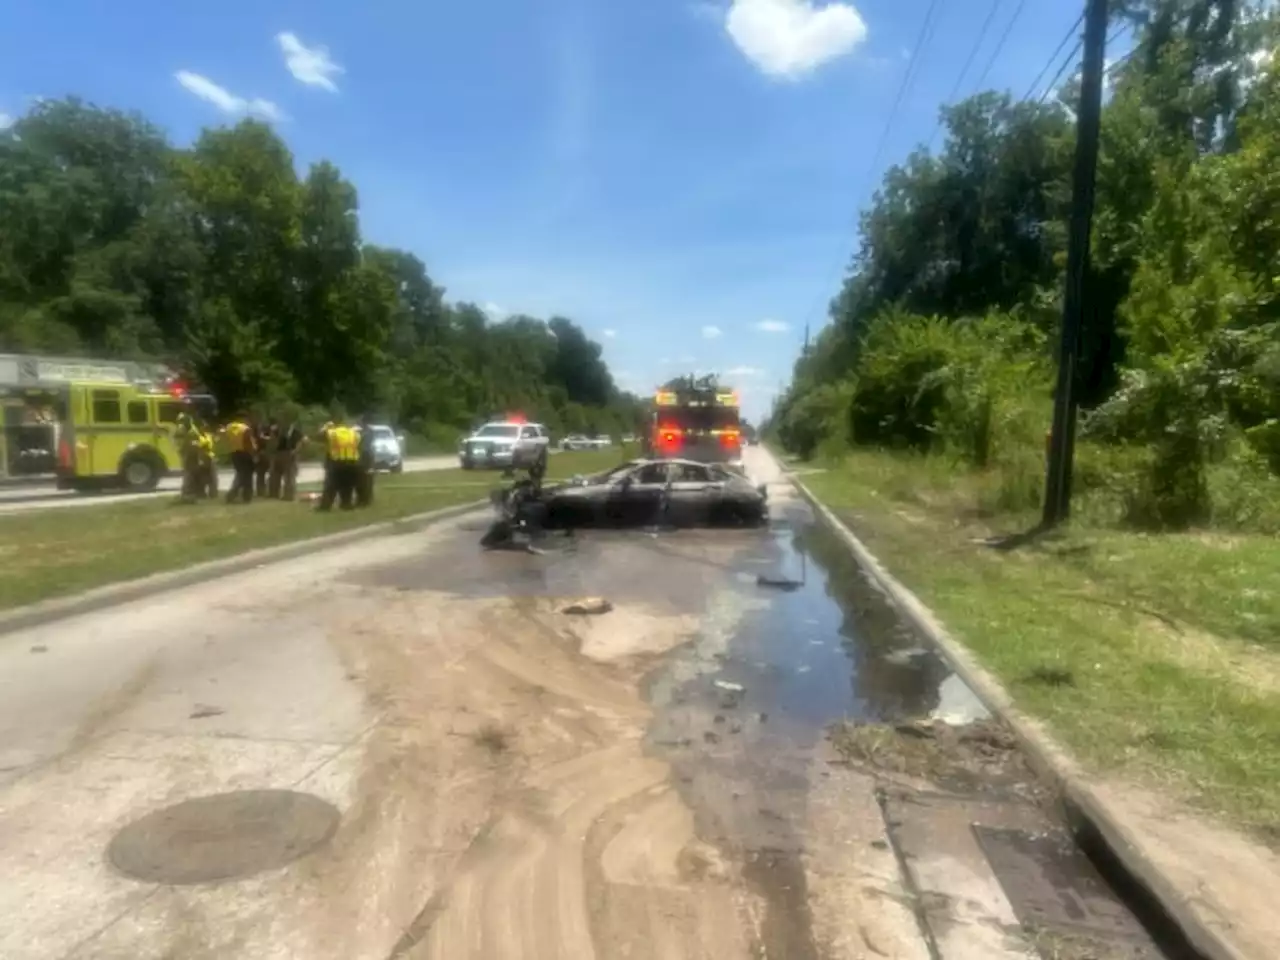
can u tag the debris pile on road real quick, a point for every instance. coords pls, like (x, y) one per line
(588, 606)
(970, 757)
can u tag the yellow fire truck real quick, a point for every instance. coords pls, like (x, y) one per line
(108, 430)
(697, 419)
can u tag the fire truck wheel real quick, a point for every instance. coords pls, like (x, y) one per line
(140, 471)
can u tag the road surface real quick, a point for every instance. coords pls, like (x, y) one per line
(464, 771)
(20, 497)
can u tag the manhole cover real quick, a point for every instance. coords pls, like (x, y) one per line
(222, 837)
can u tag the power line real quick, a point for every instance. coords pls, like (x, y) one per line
(926, 31)
(964, 71)
(1008, 29)
(1054, 56)
(973, 53)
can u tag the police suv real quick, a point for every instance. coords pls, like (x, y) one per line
(513, 443)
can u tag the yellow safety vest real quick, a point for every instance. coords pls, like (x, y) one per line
(344, 447)
(204, 442)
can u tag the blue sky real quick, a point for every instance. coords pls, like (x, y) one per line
(680, 177)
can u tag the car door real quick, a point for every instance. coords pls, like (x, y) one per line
(693, 494)
(635, 498)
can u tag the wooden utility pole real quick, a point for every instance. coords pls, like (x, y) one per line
(1077, 301)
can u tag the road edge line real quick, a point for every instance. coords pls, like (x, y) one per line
(115, 594)
(1051, 761)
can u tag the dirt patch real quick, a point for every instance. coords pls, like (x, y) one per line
(968, 758)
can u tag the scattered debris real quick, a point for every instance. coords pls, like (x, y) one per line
(778, 583)
(39, 648)
(203, 710)
(970, 757)
(588, 606)
(730, 693)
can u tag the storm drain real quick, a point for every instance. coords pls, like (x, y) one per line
(1051, 884)
(226, 836)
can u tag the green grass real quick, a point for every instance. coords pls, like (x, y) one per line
(1156, 657)
(57, 552)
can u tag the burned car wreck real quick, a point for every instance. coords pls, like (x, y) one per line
(654, 493)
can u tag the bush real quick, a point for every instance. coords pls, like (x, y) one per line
(973, 387)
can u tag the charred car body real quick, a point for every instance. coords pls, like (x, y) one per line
(665, 492)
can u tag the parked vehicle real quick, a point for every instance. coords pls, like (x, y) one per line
(508, 444)
(388, 449)
(576, 441)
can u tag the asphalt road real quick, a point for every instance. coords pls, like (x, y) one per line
(20, 497)
(475, 774)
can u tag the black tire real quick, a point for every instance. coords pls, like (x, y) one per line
(397, 467)
(140, 472)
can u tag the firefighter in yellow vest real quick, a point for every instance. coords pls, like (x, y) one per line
(207, 479)
(341, 465)
(240, 438)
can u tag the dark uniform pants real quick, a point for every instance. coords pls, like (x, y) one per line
(261, 467)
(191, 476)
(243, 463)
(284, 474)
(341, 477)
(364, 486)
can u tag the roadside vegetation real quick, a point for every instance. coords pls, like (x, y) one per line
(219, 258)
(65, 550)
(1147, 631)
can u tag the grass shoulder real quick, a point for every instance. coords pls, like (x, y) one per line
(62, 551)
(1156, 656)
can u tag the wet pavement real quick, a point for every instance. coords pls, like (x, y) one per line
(793, 640)
(746, 755)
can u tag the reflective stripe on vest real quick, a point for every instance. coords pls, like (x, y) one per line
(343, 445)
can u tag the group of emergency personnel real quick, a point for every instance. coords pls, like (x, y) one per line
(264, 460)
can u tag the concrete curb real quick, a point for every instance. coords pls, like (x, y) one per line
(61, 608)
(1212, 937)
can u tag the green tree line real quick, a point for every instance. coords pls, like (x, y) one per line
(221, 259)
(942, 338)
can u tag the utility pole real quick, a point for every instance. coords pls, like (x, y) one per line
(1076, 305)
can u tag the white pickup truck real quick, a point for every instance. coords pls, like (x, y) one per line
(505, 444)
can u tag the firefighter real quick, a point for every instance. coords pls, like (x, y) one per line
(265, 436)
(284, 463)
(364, 488)
(240, 437)
(207, 479)
(187, 437)
(341, 465)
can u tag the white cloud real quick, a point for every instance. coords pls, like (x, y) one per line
(6, 121)
(309, 65)
(495, 312)
(790, 38)
(608, 334)
(710, 332)
(771, 326)
(743, 372)
(225, 100)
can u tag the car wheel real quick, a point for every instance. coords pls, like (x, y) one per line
(140, 472)
(397, 467)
